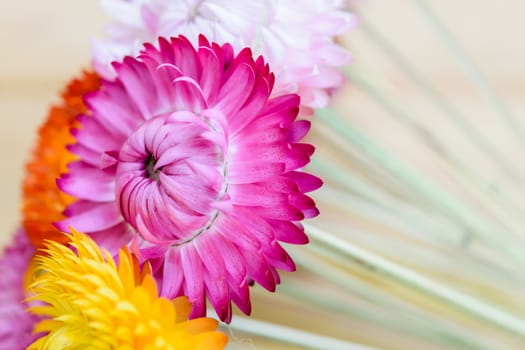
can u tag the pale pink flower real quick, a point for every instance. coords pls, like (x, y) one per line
(295, 37)
(16, 323)
(186, 149)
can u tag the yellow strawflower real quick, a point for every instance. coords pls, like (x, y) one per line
(90, 303)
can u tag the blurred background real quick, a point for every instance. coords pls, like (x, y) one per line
(444, 99)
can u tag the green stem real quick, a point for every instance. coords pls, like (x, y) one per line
(292, 335)
(416, 239)
(397, 215)
(434, 195)
(483, 190)
(419, 282)
(473, 73)
(440, 102)
(416, 217)
(447, 335)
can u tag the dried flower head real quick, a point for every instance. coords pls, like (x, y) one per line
(295, 37)
(91, 303)
(186, 153)
(43, 203)
(16, 323)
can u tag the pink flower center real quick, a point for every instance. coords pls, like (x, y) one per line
(170, 177)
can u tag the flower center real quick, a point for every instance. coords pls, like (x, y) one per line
(151, 172)
(169, 177)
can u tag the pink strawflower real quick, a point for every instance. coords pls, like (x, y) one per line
(16, 323)
(186, 149)
(295, 37)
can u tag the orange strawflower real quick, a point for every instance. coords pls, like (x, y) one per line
(43, 203)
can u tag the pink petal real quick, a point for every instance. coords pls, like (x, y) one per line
(172, 276)
(289, 232)
(98, 187)
(194, 280)
(102, 216)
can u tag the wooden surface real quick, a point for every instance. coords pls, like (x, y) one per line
(44, 44)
